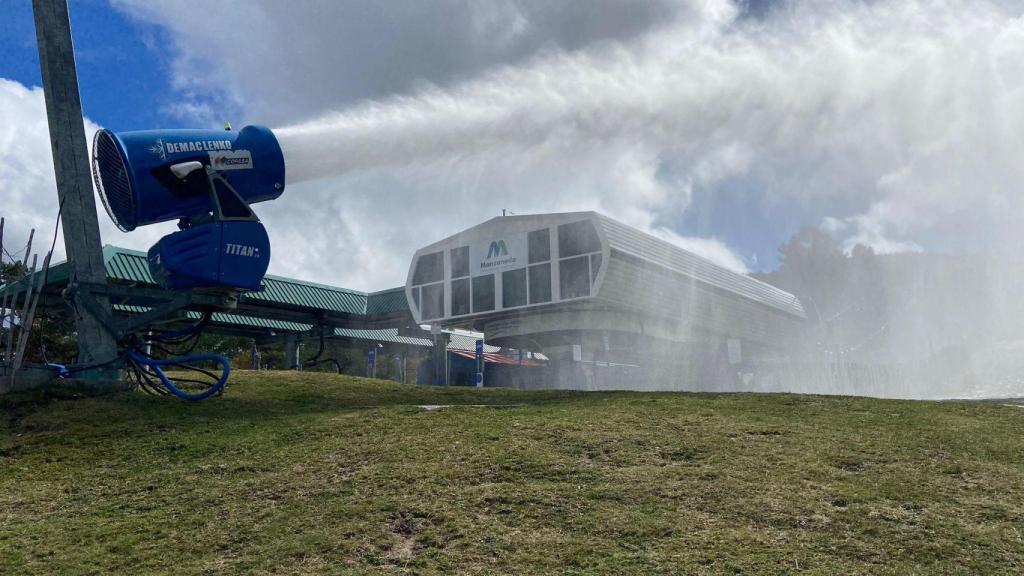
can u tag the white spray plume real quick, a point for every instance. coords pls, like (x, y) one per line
(911, 111)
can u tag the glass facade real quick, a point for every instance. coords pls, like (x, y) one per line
(429, 268)
(573, 248)
(577, 238)
(460, 261)
(539, 246)
(433, 301)
(574, 277)
(579, 259)
(460, 296)
(483, 293)
(540, 283)
(513, 288)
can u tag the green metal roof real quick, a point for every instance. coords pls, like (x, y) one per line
(297, 293)
(254, 322)
(126, 265)
(130, 266)
(387, 302)
(388, 335)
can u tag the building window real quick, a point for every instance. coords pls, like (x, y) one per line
(539, 246)
(460, 261)
(460, 297)
(540, 283)
(429, 268)
(577, 238)
(595, 267)
(483, 293)
(574, 277)
(513, 288)
(433, 301)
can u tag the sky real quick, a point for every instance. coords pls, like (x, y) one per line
(721, 126)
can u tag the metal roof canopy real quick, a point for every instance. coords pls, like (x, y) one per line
(286, 306)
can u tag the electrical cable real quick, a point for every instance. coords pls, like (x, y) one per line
(316, 361)
(311, 361)
(65, 371)
(186, 332)
(53, 244)
(147, 373)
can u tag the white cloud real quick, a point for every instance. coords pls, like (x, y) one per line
(28, 198)
(710, 248)
(26, 168)
(834, 225)
(903, 120)
(904, 117)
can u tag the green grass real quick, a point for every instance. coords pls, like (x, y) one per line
(306, 473)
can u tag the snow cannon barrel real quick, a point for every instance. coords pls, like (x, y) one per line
(140, 180)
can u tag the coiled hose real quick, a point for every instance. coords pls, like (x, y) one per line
(144, 368)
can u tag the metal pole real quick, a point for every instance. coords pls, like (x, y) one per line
(14, 338)
(519, 370)
(10, 342)
(372, 361)
(447, 360)
(3, 282)
(437, 358)
(26, 324)
(479, 357)
(71, 168)
(291, 352)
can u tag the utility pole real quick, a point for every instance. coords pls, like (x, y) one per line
(71, 167)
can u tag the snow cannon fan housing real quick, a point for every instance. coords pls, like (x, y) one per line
(206, 179)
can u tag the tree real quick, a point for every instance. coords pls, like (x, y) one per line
(843, 295)
(812, 267)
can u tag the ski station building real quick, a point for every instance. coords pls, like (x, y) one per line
(610, 306)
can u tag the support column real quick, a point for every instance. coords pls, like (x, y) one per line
(441, 359)
(291, 351)
(71, 168)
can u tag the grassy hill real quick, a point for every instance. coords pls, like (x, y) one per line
(307, 473)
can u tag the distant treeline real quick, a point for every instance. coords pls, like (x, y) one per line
(864, 306)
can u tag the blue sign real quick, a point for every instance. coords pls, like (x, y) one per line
(480, 363)
(371, 356)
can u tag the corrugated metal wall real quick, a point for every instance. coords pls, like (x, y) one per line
(632, 283)
(660, 253)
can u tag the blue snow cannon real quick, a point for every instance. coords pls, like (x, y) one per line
(207, 180)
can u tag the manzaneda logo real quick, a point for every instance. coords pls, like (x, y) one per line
(497, 256)
(497, 249)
